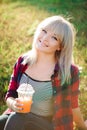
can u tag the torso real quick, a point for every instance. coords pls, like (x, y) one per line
(43, 96)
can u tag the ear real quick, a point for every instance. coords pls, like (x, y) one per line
(59, 47)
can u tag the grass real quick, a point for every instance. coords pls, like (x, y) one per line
(18, 21)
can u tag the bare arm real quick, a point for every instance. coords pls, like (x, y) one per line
(78, 118)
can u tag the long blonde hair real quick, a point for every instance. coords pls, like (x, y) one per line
(66, 33)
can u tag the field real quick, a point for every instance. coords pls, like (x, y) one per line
(18, 21)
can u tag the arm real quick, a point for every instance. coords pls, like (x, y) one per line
(14, 81)
(14, 104)
(78, 118)
(11, 95)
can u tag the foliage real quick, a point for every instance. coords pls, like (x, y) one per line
(18, 21)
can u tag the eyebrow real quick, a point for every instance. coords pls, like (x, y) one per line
(44, 28)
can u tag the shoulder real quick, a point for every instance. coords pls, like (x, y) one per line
(19, 61)
(74, 68)
(19, 67)
(21, 58)
(74, 72)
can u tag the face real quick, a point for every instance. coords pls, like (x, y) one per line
(47, 41)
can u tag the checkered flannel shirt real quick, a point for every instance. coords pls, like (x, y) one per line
(65, 96)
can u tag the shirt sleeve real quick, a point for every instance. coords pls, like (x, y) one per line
(13, 84)
(74, 86)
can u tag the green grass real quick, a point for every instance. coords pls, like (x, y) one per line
(18, 21)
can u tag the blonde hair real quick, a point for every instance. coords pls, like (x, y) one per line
(66, 33)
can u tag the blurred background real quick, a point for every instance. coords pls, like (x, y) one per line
(18, 21)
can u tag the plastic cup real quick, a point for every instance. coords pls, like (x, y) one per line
(25, 93)
(26, 105)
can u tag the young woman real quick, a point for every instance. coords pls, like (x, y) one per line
(49, 69)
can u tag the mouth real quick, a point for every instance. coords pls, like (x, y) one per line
(43, 44)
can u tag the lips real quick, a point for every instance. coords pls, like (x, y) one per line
(43, 44)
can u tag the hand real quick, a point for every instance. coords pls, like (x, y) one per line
(16, 105)
(86, 124)
(85, 127)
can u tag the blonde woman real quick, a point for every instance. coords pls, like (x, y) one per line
(49, 69)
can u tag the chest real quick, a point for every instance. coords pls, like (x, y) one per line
(39, 73)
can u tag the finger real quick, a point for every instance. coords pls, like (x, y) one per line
(16, 106)
(18, 102)
(17, 109)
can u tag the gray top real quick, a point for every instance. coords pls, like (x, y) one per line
(42, 98)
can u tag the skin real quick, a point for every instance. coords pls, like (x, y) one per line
(78, 119)
(46, 44)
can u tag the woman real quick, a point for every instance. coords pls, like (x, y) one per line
(48, 68)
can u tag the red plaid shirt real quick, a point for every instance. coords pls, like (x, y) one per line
(65, 96)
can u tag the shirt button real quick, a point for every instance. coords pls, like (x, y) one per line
(54, 91)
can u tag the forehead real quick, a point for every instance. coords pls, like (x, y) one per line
(52, 27)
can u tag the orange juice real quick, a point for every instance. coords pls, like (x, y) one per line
(25, 94)
(26, 105)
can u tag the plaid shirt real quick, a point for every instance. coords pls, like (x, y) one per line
(65, 96)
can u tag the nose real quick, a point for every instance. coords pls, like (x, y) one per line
(46, 38)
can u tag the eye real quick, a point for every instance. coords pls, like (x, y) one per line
(44, 30)
(54, 38)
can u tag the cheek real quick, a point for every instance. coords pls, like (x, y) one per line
(40, 34)
(54, 48)
(54, 44)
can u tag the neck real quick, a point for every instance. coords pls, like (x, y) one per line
(46, 58)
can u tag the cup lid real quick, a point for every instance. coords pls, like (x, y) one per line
(25, 89)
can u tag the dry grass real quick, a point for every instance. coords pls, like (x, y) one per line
(18, 21)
